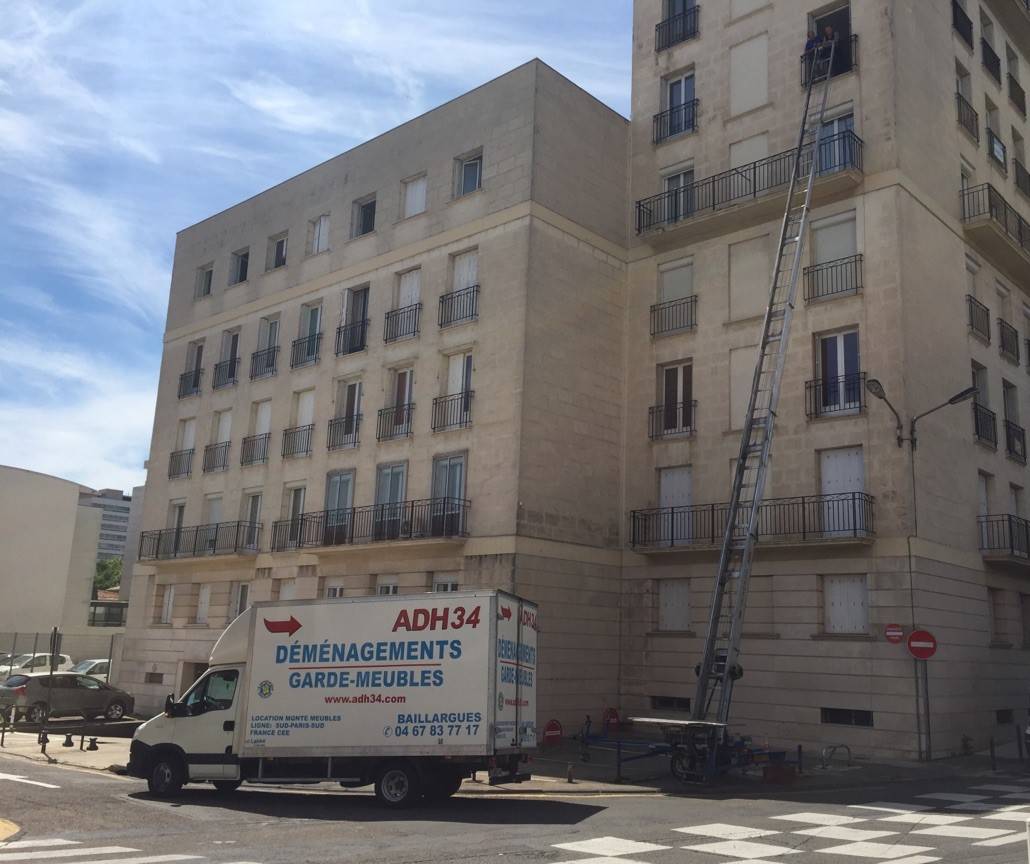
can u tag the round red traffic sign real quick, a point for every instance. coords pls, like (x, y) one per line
(922, 644)
(894, 633)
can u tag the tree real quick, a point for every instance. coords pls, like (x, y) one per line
(109, 574)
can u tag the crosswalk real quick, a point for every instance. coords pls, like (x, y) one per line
(65, 851)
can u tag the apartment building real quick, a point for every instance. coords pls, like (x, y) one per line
(114, 506)
(511, 343)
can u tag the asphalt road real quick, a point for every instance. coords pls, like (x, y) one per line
(72, 816)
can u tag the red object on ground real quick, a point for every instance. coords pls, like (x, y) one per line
(922, 644)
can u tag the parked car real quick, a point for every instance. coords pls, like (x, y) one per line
(99, 669)
(37, 663)
(27, 694)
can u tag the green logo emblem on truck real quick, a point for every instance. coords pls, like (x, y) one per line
(265, 689)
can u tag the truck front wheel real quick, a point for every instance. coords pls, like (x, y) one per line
(167, 776)
(398, 784)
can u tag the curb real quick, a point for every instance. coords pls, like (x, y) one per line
(501, 792)
(60, 763)
(8, 830)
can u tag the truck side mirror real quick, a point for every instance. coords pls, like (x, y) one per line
(169, 701)
(175, 709)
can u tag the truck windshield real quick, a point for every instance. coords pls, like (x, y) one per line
(213, 693)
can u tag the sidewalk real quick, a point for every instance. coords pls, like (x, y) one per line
(110, 752)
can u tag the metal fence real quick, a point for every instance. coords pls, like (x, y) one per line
(402, 323)
(222, 538)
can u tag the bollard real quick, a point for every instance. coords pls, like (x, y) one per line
(82, 741)
(568, 774)
(44, 739)
(618, 761)
(801, 756)
(994, 761)
(1019, 743)
(92, 744)
(68, 740)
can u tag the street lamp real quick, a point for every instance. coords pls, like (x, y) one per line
(874, 386)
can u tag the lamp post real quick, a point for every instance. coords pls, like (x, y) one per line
(875, 388)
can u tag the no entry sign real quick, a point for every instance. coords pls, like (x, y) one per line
(894, 633)
(922, 644)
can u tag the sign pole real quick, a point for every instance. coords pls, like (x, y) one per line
(919, 710)
(926, 707)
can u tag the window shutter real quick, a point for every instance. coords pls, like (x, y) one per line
(676, 282)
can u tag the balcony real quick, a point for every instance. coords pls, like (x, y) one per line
(674, 316)
(352, 338)
(979, 319)
(845, 59)
(991, 60)
(751, 193)
(985, 425)
(675, 121)
(1004, 537)
(1022, 177)
(189, 383)
(673, 420)
(826, 397)
(405, 520)
(968, 119)
(1017, 95)
(305, 351)
(255, 449)
(833, 279)
(1015, 442)
(962, 23)
(395, 422)
(456, 307)
(994, 227)
(402, 323)
(678, 28)
(1008, 339)
(180, 464)
(223, 538)
(297, 441)
(452, 412)
(216, 457)
(846, 517)
(344, 432)
(107, 613)
(226, 373)
(997, 150)
(264, 363)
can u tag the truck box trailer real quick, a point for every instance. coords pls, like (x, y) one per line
(411, 693)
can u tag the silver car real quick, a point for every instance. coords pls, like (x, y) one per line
(27, 695)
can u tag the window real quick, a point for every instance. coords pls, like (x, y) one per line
(238, 265)
(213, 693)
(203, 604)
(386, 585)
(676, 398)
(364, 221)
(675, 281)
(963, 82)
(167, 603)
(414, 192)
(840, 20)
(205, 275)
(839, 387)
(391, 486)
(334, 591)
(1015, 500)
(318, 234)
(678, 100)
(252, 518)
(445, 584)
(673, 605)
(465, 270)
(680, 190)
(996, 615)
(240, 599)
(469, 175)
(268, 333)
(836, 146)
(834, 239)
(1024, 611)
(846, 604)
(294, 501)
(276, 254)
(1010, 400)
(679, 704)
(980, 381)
(186, 436)
(846, 717)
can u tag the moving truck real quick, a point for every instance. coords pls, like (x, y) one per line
(411, 693)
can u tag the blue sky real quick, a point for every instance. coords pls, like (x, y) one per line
(123, 122)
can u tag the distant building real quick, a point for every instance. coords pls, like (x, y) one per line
(114, 521)
(129, 556)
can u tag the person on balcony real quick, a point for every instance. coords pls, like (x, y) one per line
(813, 42)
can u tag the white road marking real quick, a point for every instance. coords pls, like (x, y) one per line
(17, 778)
(610, 847)
(64, 853)
(743, 849)
(990, 787)
(1009, 816)
(840, 832)
(1017, 796)
(1008, 839)
(916, 859)
(599, 861)
(973, 807)
(146, 859)
(820, 819)
(722, 831)
(967, 832)
(927, 819)
(882, 851)
(891, 807)
(958, 797)
(29, 844)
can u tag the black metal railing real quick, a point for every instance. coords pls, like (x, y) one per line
(223, 538)
(674, 315)
(351, 338)
(835, 153)
(344, 432)
(216, 456)
(991, 60)
(404, 520)
(255, 449)
(676, 29)
(402, 323)
(845, 58)
(962, 23)
(1015, 441)
(189, 383)
(1017, 95)
(812, 518)
(305, 351)
(226, 373)
(1008, 341)
(979, 318)
(264, 363)
(1022, 177)
(843, 395)
(968, 119)
(675, 121)
(107, 613)
(674, 418)
(458, 306)
(395, 422)
(843, 276)
(985, 425)
(996, 149)
(180, 464)
(1004, 533)
(452, 412)
(985, 200)
(297, 441)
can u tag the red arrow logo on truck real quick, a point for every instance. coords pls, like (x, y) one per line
(291, 626)
(505, 613)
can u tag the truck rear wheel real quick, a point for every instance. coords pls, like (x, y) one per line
(443, 784)
(398, 784)
(167, 776)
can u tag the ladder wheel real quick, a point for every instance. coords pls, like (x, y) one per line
(682, 766)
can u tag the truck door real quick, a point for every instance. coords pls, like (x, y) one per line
(207, 734)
